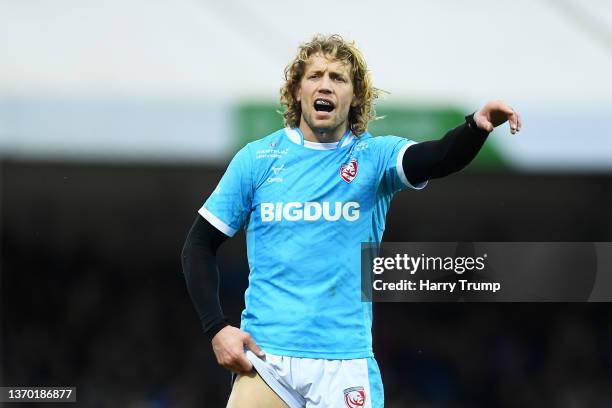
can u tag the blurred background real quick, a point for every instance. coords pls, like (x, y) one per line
(117, 119)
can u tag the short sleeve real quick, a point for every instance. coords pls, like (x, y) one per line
(229, 205)
(391, 154)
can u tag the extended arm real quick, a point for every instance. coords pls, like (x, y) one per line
(439, 158)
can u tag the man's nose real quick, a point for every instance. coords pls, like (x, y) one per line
(325, 85)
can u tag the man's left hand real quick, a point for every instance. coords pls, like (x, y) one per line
(495, 113)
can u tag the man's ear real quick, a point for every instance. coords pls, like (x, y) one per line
(355, 102)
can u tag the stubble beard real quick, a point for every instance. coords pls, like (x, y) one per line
(327, 130)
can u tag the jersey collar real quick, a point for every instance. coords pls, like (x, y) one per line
(297, 137)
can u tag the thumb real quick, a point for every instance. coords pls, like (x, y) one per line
(250, 343)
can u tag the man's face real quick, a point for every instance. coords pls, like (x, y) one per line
(326, 94)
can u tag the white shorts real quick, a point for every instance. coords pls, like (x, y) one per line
(313, 382)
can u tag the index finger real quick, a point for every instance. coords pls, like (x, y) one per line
(504, 107)
(253, 346)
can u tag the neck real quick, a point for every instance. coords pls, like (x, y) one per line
(322, 135)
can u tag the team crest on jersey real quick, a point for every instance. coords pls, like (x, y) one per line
(348, 172)
(354, 397)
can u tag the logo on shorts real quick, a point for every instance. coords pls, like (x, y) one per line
(348, 172)
(354, 397)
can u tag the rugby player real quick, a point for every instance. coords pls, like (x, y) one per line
(308, 195)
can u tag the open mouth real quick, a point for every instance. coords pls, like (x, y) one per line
(323, 105)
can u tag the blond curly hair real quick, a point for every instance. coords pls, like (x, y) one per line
(336, 47)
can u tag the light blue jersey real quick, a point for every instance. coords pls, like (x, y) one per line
(306, 208)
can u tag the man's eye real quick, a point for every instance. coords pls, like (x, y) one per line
(340, 79)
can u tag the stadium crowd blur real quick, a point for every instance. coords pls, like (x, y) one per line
(93, 295)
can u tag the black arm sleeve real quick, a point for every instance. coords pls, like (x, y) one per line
(202, 275)
(439, 158)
